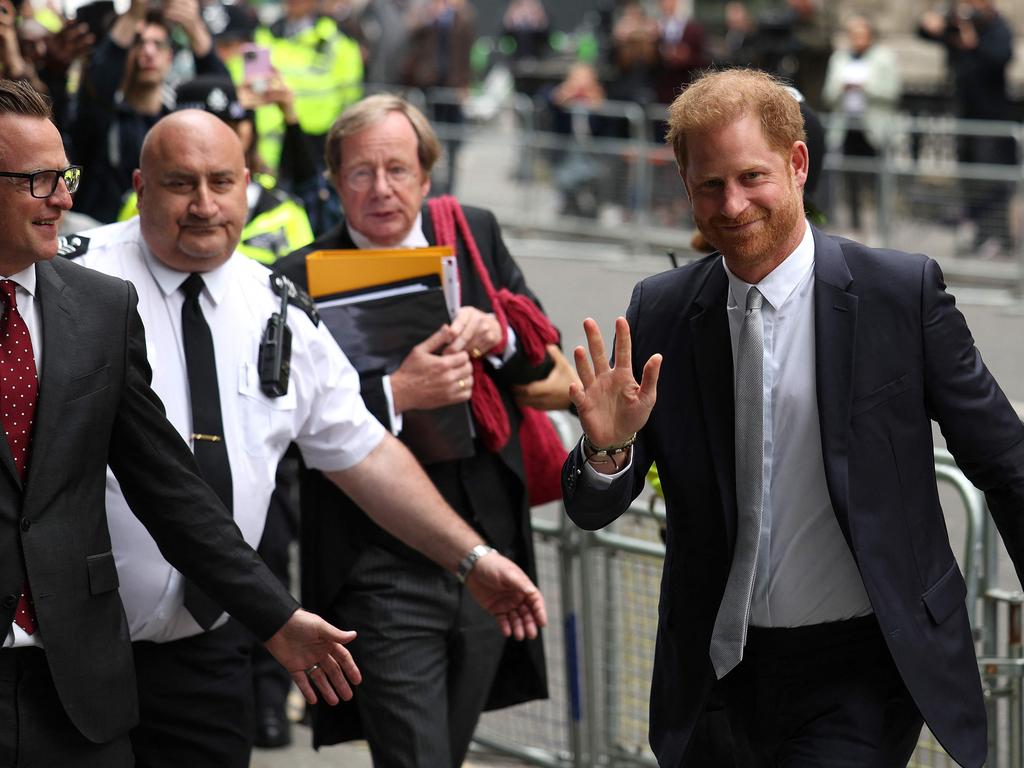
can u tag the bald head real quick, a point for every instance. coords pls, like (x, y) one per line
(186, 126)
(191, 184)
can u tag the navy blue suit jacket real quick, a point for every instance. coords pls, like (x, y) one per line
(892, 354)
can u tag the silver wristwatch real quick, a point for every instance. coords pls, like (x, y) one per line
(467, 563)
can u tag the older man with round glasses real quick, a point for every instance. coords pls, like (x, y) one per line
(432, 659)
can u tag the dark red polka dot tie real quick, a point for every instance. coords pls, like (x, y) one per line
(19, 389)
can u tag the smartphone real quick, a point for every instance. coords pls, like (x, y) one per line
(98, 16)
(256, 63)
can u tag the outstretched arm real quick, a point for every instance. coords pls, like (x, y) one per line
(391, 487)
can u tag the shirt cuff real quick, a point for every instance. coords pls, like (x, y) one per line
(497, 361)
(394, 419)
(596, 479)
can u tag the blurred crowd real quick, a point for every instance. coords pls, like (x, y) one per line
(281, 73)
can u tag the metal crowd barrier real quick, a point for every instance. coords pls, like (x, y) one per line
(917, 195)
(602, 591)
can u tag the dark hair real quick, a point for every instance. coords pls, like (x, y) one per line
(155, 18)
(19, 98)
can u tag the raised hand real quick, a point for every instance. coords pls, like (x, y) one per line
(507, 593)
(314, 652)
(610, 404)
(428, 380)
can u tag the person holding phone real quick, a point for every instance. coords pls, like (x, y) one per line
(122, 96)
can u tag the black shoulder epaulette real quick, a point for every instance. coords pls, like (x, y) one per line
(72, 246)
(296, 296)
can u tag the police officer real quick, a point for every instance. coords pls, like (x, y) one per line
(193, 669)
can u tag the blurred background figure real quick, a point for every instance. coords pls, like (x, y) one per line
(441, 37)
(526, 23)
(862, 89)
(125, 89)
(320, 65)
(979, 47)
(634, 54)
(682, 50)
(579, 175)
(737, 48)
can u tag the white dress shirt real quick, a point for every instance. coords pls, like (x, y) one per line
(322, 411)
(805, 573)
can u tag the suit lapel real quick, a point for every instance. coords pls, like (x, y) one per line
(712, 360)
(835, 319)
(57, 313)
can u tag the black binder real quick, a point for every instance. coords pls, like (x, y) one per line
(376, 328)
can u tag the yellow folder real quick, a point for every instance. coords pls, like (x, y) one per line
(337, 271)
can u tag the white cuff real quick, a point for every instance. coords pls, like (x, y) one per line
(395, 419)
(510, 349)
(594, 478)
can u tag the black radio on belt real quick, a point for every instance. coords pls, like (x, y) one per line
(276, 348)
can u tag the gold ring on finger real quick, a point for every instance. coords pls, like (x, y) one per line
(476, 353)
(462, 383)
(312, 669)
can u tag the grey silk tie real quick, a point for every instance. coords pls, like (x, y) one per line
(730, 632)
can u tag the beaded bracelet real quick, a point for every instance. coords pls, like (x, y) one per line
(599, 455)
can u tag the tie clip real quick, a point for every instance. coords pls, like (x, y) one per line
(210, 438)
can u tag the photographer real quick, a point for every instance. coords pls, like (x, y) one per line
(979, 46)
(122, 96)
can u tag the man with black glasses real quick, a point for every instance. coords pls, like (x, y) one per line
(75, 398)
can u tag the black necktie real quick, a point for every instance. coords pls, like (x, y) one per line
(207, 428)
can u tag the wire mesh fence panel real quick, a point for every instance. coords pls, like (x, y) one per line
(541, 725)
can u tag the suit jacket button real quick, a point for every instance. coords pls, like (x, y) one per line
(25, 523)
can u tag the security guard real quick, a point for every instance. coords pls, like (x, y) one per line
(277, 223)
(215, 323)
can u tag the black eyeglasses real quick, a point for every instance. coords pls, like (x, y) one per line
(42, 184)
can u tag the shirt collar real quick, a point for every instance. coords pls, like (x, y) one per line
(414, 238)
(170, 280)
(26, 279)
(778, 285)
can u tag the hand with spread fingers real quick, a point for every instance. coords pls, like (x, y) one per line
(611, 405)
(507, 593)
(314, 652)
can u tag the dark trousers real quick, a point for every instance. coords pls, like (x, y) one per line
(35, 731)
(195, 700)
(428, 653)
(823, 696)
(856, 144)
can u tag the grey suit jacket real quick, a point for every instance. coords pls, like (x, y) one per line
(892, 354)
(96, 408)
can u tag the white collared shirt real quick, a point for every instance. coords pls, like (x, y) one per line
(805, 573)
(322, 411)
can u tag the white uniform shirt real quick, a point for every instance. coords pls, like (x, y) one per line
(322, 411)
